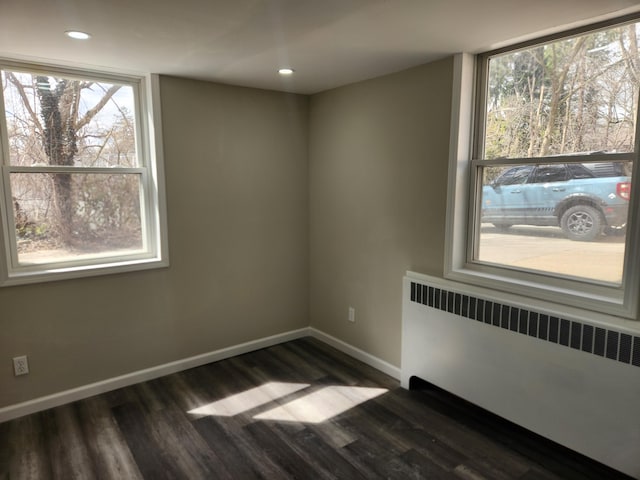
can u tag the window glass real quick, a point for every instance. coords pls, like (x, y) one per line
(512, 176)
(53, 120)
(568, 110)
(550, 173)
(573, 95)
(577, 170)
(78, 174)
(104, 215)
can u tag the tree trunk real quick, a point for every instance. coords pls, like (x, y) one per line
(558, 79)
(60, 145)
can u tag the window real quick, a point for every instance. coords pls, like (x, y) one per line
(549, 163)
(81, 186)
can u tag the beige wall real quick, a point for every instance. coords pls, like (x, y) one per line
(237, 188)
(283, 210)
(378, 169)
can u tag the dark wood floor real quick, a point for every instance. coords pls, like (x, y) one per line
(146, 431)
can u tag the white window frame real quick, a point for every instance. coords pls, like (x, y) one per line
(151, 170)
(593, 301)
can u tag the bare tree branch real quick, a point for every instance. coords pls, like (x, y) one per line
(99, 106)
(25, 100)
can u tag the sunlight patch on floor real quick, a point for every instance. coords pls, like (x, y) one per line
(249, 399)
(321, 405)
(316, 406)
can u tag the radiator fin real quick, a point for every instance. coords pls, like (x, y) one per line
(581, 336)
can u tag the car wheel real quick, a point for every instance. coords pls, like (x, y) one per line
(582, 223)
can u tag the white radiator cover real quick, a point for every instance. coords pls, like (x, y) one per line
(579, 399)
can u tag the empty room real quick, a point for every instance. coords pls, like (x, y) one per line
(306, 239)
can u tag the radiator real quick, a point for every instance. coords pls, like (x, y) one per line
(572, 381)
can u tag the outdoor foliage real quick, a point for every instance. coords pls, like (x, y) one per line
(570, 96)
(63, 122)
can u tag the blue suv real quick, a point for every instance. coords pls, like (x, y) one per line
(584, 200)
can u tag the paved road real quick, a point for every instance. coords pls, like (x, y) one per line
(547, 249)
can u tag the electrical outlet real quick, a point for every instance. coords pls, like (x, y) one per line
(352, 314)
(20, 365)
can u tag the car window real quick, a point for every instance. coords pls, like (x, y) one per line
(608, 169)
(514, 176)
(549, 173)
(579, 171)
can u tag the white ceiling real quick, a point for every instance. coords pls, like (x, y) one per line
(243, 42)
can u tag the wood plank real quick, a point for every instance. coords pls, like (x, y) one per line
(149, 430)
(140, 432)
(25, 450)
(107, 447)
(319, 454)
(280, 452)
(504, 463)
(240, 458)
(68, 452)
(423, 466)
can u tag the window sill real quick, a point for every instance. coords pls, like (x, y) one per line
(599, 299)
(521, 294)
(54, 274)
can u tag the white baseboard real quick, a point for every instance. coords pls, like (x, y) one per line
(356, 353)
(50, 401)
(38, 404)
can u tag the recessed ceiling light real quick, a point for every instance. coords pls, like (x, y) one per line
(286, 71)
(77, 35)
